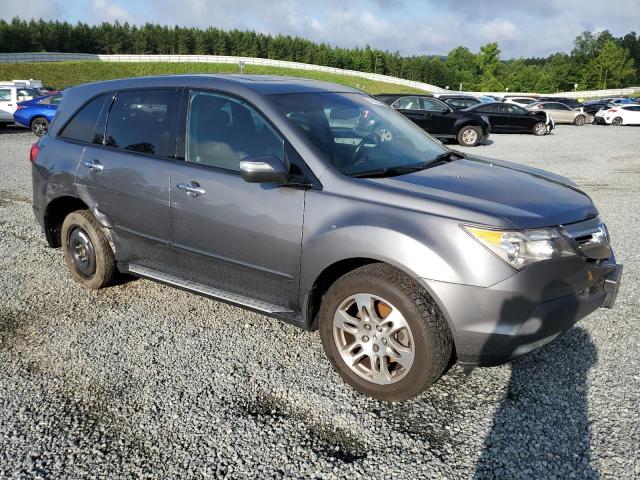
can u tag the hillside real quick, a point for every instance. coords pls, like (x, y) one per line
(64, 74)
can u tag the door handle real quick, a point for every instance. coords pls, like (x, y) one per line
(193, 189)
(94, 165)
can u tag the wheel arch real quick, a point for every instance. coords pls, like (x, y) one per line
(35, 117)
(55, 213)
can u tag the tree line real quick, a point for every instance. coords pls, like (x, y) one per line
(597, 60)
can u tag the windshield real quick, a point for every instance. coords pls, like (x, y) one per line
(357, 133)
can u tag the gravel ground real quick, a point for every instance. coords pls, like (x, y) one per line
(142, 380)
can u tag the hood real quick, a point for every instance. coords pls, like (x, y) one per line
(525, 197)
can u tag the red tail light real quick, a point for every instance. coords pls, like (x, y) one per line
(33, 153)
(613, 110)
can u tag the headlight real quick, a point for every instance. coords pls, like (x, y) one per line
(520, 248)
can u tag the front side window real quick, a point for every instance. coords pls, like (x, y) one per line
(144, 121)
(5, 94)
(433, 105)
(375, 138)
(515, 109)
(222, 131)
(82, 127)
(407, 103)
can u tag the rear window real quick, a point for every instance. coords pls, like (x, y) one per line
(82, 126)
(144, 121)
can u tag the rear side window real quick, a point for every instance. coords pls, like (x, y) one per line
(407, 103)
(144, 121)
(82, 126)
(5, 95)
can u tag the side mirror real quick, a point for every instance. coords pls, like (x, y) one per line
(263, 169)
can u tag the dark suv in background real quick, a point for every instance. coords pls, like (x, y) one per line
(320, 205)
(439, 119)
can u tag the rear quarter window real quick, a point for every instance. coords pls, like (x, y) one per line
(82, 127)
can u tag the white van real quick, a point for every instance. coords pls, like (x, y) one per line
(12, 92)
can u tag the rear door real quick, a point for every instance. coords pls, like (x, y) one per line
(411, 107)
(500, 121)
(559, 112)
(238, 237)
(124, 176)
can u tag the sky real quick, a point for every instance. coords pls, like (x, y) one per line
(432, 27)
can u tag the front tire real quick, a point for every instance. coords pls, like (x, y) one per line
(383, 334)
(86, 250)
(540, 129)
(617, 121)
(469, 136)
(579, 120)
(40, 126)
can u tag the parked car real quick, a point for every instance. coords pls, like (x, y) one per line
(37, 113)
(560, 113)
(619, 100)
(10, 94)
(627, 114)
(440, 119)
(593, 106)
(522, 101)
(569, 102)
(458, 102)
(511, 118)
(399, 250)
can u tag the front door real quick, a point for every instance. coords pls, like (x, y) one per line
(242, 238)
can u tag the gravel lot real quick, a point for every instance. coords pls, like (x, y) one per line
(142, 380)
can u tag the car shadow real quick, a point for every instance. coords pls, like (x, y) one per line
(541, 427)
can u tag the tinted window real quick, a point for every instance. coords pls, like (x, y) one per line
(407, 103)
(221, 131)
(433, 105)
(82, 126)
(144, 121)
(498, 108)
(485, 109)
(515, 109)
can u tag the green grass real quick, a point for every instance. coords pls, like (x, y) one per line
(64, 74)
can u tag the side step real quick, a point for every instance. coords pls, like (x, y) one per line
(208, 291)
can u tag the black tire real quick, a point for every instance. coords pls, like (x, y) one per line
(431, 337)
(99, 269)
(540, 129)
(579, 120)
(469, 136)
(617, 121)
(39, 126)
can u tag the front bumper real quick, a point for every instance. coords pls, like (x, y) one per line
(496, 324)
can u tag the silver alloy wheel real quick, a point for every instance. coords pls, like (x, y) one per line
(40, 126)
(580, 120)
(373, 338)
(541, 128)
(469, 136)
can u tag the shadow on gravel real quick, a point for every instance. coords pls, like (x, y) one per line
(541, 428)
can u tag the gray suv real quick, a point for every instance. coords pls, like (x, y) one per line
(320, 205)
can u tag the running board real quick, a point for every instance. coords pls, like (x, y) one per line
(207, 290)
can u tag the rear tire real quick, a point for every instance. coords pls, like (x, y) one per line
(617, 121)
(579, 120)
(469, 136)
(40, 126)
(399, 340)
(86, 250)
(540, 129)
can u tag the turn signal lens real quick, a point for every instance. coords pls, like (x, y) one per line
(33, 153)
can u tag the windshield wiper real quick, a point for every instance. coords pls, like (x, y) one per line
(447, 156)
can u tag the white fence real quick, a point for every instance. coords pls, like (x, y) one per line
(68, 57)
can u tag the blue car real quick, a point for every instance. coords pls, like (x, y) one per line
(37, 113)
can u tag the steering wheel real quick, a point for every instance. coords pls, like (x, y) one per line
(357, 153)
